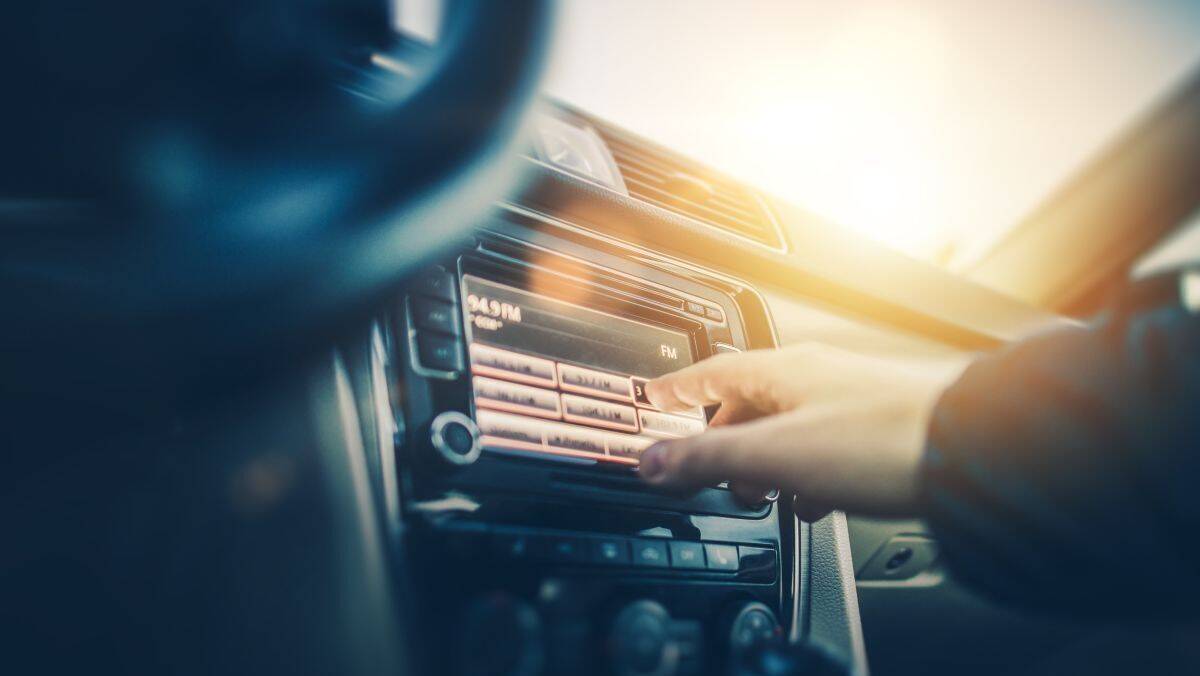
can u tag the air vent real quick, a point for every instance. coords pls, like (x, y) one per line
(674, 183)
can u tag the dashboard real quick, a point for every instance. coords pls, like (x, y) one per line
(507, 382)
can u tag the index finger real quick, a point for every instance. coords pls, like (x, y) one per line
(716, 380)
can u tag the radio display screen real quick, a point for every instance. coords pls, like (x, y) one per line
(557, 379)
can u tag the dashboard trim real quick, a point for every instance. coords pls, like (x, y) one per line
(825, 263)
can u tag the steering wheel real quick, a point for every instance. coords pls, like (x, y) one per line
(194, 197)
(197, 192)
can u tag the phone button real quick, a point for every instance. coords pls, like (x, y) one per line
(721, 557)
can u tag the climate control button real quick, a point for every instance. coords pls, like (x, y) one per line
(687, 554)
(650, 553)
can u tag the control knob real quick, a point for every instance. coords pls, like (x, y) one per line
(751, 625)
(453, 440)
(641, 644)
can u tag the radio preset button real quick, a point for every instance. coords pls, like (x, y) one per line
(596, 383)
(640, 398)
(625, 446)
(572, 438)
(505, 396)
(439, 352)
(436, 315)
(687, 555)
(639, 392)
(651, 553)
(667, 425)
(509, 431)
(508, 365)
(599, 413)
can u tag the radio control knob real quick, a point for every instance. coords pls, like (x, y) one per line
(454, 440)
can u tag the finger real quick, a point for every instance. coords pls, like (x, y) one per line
(810, 511)
(750, 495)
(716, 380)
(734, 412)
(750, 452)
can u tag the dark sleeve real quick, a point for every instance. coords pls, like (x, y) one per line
(1064, 473)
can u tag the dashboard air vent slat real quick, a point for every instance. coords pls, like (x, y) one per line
(669, 181)
(672, 202)
(654, 181)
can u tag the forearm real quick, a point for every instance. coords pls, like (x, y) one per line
(1061, 472)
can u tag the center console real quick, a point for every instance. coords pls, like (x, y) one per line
(518, 368)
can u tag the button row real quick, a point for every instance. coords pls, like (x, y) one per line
(499, 395)
(636, 552)
(503, 431)
(526, 369)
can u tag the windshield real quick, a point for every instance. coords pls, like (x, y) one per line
(931, 126)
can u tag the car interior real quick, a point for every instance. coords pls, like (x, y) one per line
(327, 346)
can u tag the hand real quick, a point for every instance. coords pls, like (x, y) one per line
(838, 430)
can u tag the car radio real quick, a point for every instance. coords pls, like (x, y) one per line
(522, 395)
(556, 379)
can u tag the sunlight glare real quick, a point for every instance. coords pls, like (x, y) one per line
(933, 126)
(855, 137)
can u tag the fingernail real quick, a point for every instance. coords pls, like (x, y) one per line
(654, 462)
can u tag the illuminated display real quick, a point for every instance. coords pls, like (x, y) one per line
(556, 379)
